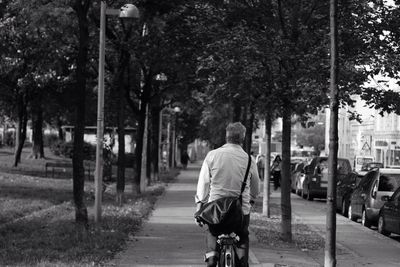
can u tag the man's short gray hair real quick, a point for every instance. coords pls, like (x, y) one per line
(235, 133)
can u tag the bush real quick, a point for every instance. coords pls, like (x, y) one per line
(65, 149)
(129, 160)
(50, 139)
(28, 143)
(9, 138)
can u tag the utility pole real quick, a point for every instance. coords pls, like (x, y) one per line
(330, 241)
(98, 181)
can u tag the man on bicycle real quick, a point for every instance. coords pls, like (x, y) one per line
(221, 175)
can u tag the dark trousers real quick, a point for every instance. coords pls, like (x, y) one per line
(261, 173)
(242, 247)
(277, 179)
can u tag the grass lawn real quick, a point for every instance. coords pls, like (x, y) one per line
(28, 166)
(21, 195)
(37, 219)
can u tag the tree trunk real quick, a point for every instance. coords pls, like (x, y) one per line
(119, 82)
(245, 121)
(141, 116)
(267, 172)
(138, 151)
(155, 131)
(148, 149)
(237, 111)
(121, 145)
(169, 143)
(143, 177)
(249, 131)
(20, 134)
(59, 129)
(330, 241)
(81, 215)
(37, 130)
(286, 209)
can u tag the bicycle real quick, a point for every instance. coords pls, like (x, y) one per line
(226, 244)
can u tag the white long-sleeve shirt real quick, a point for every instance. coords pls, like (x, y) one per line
(222, 175)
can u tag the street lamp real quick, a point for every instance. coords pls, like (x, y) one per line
(170, 156)
(126, 11)
(174, 143)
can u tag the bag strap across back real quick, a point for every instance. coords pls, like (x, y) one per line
(245, 177)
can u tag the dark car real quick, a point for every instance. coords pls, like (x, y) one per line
(389, 215)
(316, 179)
(344, 190)
(366, 199)
(368, 166)
(371, 165)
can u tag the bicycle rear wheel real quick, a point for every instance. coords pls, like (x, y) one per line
(227, 258)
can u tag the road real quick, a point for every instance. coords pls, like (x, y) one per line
(356, 244)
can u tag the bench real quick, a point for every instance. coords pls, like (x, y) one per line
(66, 165)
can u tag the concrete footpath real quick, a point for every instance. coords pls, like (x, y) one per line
(171, 238)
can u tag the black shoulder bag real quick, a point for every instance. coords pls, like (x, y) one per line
(224, 215)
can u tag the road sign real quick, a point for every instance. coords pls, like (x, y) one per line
(366, 147)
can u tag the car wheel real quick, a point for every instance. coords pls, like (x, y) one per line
(364, 219)
(344, 208)
(381, 226)
(309, 196)
(303, 194)
(350, 214)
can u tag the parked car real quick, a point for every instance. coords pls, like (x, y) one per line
(344, 189)
(389, 215)
(298, 176)
(366, 199)
(359, 161)
(316, 176)
(366, 167)
(371, 165)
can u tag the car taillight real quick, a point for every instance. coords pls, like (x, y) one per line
(314, 179)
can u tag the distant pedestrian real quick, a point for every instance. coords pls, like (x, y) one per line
(185, 159)
(260, 160)
(276, 171)
(252, 155)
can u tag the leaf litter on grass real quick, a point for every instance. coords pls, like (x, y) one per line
(39, 226)
(52, 237)
(268, 231)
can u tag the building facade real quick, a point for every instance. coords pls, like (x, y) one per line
(386, 139)
(376, 135)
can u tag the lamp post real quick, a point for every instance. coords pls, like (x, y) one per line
(127, 11)
(161, 144)
(170, 156)
(174, 137)
(162, 78)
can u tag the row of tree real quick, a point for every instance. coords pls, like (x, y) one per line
(268, 59)
(238, 60)
(49, 74)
